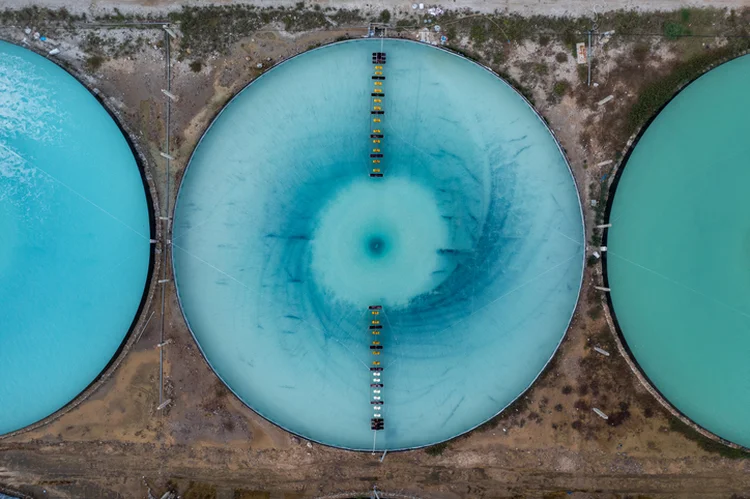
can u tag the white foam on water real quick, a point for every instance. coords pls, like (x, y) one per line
(36, 117)
(73, 255)
(28, 110)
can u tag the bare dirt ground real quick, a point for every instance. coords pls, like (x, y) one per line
(207, 444)
(523, 7)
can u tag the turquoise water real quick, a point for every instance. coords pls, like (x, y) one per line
(679, 251)
(472, 243)
(74, 237)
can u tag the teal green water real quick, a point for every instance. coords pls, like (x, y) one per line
(679, 251)
(74, 237)
(472, 242)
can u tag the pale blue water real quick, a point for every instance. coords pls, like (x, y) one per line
(74, 237)
(679, 251)
(472, 242)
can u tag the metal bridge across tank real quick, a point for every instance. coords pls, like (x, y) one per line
(377, 114)
(375, 336)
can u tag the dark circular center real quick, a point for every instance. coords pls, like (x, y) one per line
(376, 245)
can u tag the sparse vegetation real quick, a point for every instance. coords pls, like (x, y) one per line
(217, 402)
(654, 95)
(478, 34)
(673, 30)
(595, 311)
(403, 23)
(99, 47)
(706, 443)
(200, 491)
(640, 51)
(94, 62)
(252, 494)
(39, 16)
(541, 68)
(560, 88)
(437, 449)
(213, 29)
(685, 14)
(619, 417)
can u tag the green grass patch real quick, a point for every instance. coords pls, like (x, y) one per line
(478, 34)
(560, 88)
(38, 16)
(541, 68)
(200, 491)
(706, 443)
(213, 29)
(437, 449)
(595, 311)
(656, 94)
(673, 30)
(94, 62)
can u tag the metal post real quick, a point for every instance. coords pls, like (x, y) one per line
(169, 94)
(169, 31)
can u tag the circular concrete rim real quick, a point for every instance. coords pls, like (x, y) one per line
(13, 493)
(606, 299)
(154, 265)
(583, 253)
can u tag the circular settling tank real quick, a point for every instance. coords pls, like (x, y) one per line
(74, 232)
(678, 262)
(471, 243)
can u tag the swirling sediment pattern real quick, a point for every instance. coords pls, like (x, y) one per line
(472, 242)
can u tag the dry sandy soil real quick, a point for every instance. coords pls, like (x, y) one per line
(524, 7)
(207, 444)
